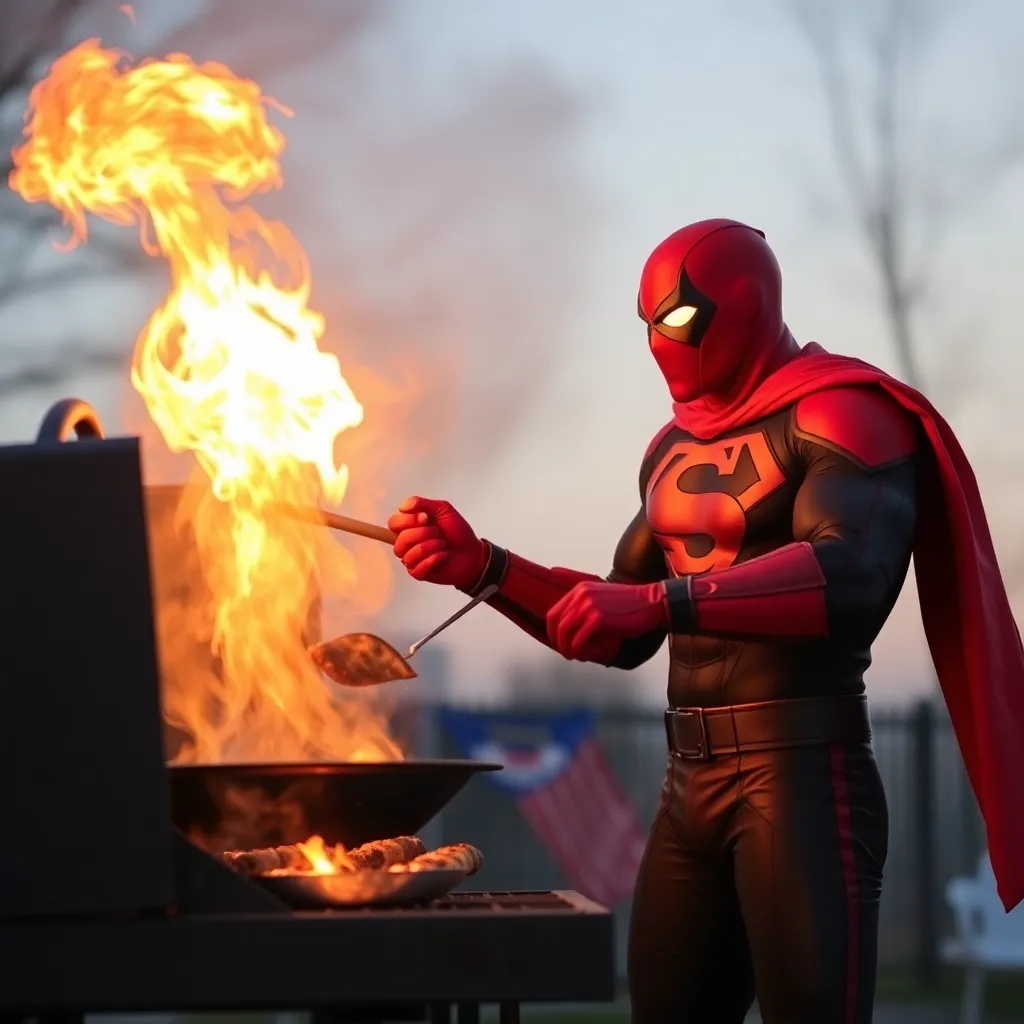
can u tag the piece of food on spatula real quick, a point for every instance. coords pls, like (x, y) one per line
(457, 857)
(360, 659)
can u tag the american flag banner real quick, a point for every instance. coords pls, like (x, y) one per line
(562, 783)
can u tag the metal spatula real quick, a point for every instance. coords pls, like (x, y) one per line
(362, 659)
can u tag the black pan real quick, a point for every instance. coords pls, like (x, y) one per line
(247, 806)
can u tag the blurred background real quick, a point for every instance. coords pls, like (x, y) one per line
(477, 187)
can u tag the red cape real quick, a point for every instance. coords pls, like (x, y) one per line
(974, 641)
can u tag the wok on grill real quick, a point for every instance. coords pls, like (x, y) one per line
(247, 806)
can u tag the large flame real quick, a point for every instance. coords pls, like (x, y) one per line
(229, 368)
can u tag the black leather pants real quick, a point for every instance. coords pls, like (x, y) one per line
(762, 878)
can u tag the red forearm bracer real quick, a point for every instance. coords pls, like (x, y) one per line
(779, 594)
(526, 591)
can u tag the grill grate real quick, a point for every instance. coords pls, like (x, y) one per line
(541, 902)
(546, 901)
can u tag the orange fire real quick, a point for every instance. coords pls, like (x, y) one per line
(334, 860)
(229, 367)
(325, 860)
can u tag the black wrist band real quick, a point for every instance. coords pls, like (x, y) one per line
(682, 615)
(495, 570)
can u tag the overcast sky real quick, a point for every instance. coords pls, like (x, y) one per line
(692, 110)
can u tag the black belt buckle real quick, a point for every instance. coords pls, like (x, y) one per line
(702, 750)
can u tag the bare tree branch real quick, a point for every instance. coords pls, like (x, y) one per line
(897, 188)
(906, 190)
(32, 34)
(60, 276)
(58, 367)
(498, 183)
(33, 31)
(817, 22)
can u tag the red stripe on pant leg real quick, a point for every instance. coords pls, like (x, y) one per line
(844, 825)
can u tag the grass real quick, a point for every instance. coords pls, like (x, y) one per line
(1004, 993)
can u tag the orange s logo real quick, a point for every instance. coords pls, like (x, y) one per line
(701, 521)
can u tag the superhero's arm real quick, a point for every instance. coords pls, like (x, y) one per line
(853, 530)
(527, 591)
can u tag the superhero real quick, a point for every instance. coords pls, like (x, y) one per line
(778, 513)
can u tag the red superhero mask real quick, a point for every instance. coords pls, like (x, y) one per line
(711, 296)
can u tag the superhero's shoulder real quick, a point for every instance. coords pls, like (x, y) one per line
(862, 423)
(658, 438)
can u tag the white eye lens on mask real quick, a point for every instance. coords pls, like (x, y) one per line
(680, 316)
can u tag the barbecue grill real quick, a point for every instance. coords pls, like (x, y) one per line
(105, 904)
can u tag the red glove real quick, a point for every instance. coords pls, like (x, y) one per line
(592, 620)
(436, 544)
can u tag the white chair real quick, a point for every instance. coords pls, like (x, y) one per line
(986, 939)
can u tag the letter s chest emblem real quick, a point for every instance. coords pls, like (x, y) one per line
(702, 528)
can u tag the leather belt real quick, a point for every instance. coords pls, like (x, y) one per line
(699, 734)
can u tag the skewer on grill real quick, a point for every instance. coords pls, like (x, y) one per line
(386, 853)
(457, 857)
(400, 855)
(262, 862)
(381, 854)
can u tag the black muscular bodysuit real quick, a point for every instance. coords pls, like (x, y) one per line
(709, 506)
(786, 544)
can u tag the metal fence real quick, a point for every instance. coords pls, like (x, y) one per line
(935, 829)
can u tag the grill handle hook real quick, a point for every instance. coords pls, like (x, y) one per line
(69, 417)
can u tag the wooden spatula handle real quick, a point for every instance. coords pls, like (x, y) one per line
(337, 522)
